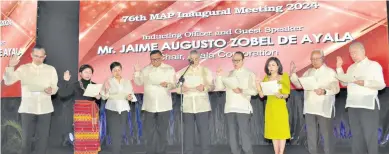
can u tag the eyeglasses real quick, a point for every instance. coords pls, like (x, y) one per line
(195, 59)
(236, 60)
(156, 60)
(36, 56)
(316, 59)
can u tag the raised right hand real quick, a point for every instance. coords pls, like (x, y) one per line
(13, 61)
(292, 68)
(339, 62)
(219, 71)
(66, 75)
(137, 67)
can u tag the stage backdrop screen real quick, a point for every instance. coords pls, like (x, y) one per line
(290, 30)
(17, 37)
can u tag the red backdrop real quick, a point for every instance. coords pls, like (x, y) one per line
(101, 24)
(20, 34)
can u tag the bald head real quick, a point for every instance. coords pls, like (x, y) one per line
(357, 51)
(317, 58)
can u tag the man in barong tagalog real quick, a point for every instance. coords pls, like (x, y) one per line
(158, 79)
(38, 83)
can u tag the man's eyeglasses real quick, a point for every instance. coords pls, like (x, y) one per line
(156, 60)
(36, 56)
(195, 59)
(316, 59)
(236, 60)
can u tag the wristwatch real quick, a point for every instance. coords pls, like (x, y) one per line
(325, 92)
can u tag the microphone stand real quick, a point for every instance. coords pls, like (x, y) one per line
(180, 83)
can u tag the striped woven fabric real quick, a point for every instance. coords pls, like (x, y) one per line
(86, 127)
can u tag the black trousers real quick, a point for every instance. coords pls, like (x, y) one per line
(156, 129)
(364, 125)
(239, 123)
(201, 120)
(31, 124)
(116, 123)
(324, 125)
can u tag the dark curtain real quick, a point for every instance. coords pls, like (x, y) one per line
(62, 116)
(295, 106)
(58, 32)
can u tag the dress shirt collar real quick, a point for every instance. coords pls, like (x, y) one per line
(320, 68)
(160, 66)
(36, 66)
(194, 68)
(115, 80)
(239, 69)
(362, 61)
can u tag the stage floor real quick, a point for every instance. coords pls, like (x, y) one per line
(215, 150)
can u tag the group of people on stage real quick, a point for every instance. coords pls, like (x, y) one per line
(39, 81)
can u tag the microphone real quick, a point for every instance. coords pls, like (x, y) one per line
(181, 80)
(191, 61)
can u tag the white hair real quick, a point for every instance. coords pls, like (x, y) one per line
(193, 52)
(357, 45)
(319, 51)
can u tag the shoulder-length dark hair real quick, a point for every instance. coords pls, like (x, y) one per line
(277, 61)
